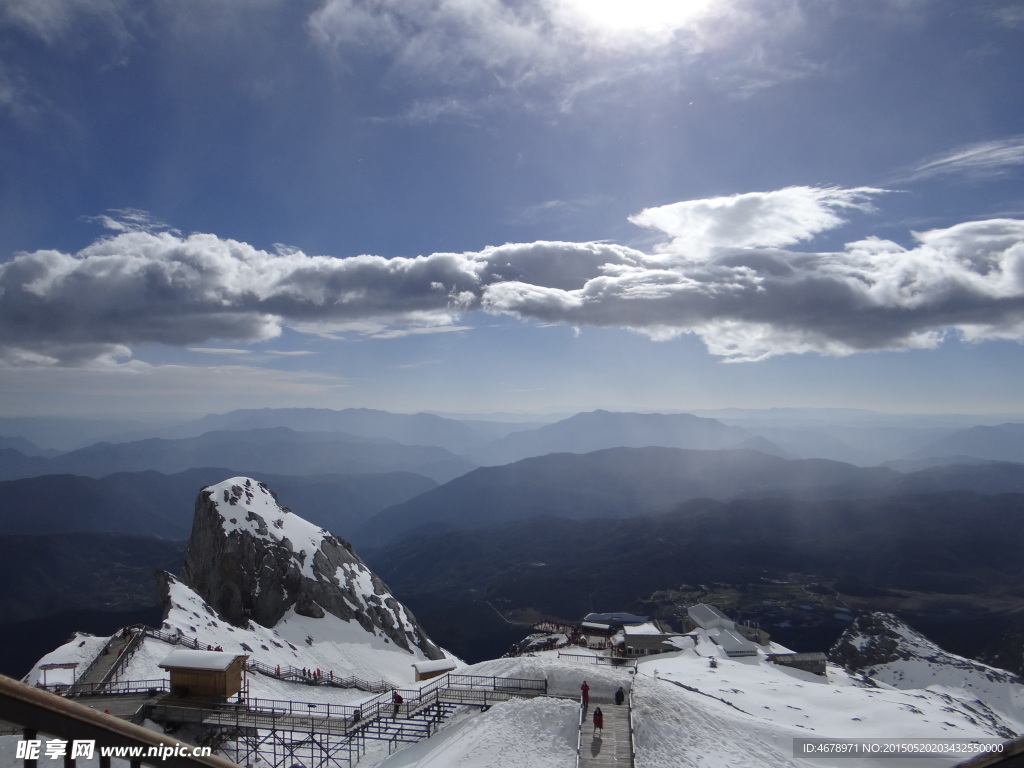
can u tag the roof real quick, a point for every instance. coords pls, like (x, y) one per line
(783, 658)
(184, 658)
(647, 628)
(440, 665)
(733, 644)
(705, 614)
(596, 625)
(616, 618)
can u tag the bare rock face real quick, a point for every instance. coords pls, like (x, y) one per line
(877, 644)
(253, 560)
(871, 640)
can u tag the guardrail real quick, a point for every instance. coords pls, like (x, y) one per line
(299, 675)
(115, 688)
(608, 661)
(579, 736)
(104, 651)
(632, 735)
(122, 658)
(291, 673)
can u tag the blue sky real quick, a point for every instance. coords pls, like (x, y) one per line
(546, 205)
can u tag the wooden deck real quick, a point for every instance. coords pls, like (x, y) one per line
(610, 748)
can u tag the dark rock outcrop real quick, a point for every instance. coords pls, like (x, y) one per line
(251, 559)
(875, 640)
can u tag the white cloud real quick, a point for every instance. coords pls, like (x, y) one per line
(986, 159)
(724, 275)
(563, 48)
(219, 351)
(755, 219)
(56, 21)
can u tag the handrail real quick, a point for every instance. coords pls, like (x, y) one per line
(115, 688)
(90, 666)
(632, 734)
(30, 707)
(292, 673)
(579, 736)
(611, 661)
(126, 653)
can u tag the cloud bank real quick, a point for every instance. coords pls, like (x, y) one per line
(722, 273)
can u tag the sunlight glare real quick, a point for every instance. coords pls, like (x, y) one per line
(651, 16)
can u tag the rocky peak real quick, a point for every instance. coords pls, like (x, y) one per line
(880, 644)
(253, 560)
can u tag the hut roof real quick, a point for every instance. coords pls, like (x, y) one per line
(184, 658)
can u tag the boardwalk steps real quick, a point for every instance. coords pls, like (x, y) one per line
(612, 747)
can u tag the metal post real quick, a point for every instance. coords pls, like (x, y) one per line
(29, 734)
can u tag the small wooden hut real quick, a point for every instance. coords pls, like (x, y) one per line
(205, 674)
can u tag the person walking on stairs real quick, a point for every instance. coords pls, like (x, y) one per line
(598, 720)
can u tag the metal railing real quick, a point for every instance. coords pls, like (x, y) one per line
(114, 688)
(579, 736)
(632, 733)
(290, 673)
(608, 661)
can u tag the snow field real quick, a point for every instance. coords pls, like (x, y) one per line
(520, 733)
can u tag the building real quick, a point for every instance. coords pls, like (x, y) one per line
(808, 662)
(732, 643)
(708, 617)
(205, 674)
(649, 637)
(424, 670)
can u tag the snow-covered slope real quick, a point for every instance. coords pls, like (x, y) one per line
(744, 712)
(884, 648)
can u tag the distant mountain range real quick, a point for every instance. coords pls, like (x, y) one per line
(154, 504)
(587, 432)
(950, 557)
(623, 482)
(863, 438)
(277, 450)
(595, 482)
(424, 429)
(1003, 442)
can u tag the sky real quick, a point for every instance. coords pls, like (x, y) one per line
(476, 206)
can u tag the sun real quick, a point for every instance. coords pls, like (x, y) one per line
(648, 16)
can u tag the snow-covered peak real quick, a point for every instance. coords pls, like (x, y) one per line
(250, 506)
(254, 562)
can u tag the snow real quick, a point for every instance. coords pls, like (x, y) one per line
(337, 647)
(685, 713)
(82, 648)
(186, 658)
(426, 667)
(247, 505)
(746, 712)
(647, 628)
(531, 733)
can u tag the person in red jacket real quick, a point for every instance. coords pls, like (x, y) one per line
(598, 720)
(585, 694)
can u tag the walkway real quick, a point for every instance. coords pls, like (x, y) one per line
(613, 746)
(103, 667)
